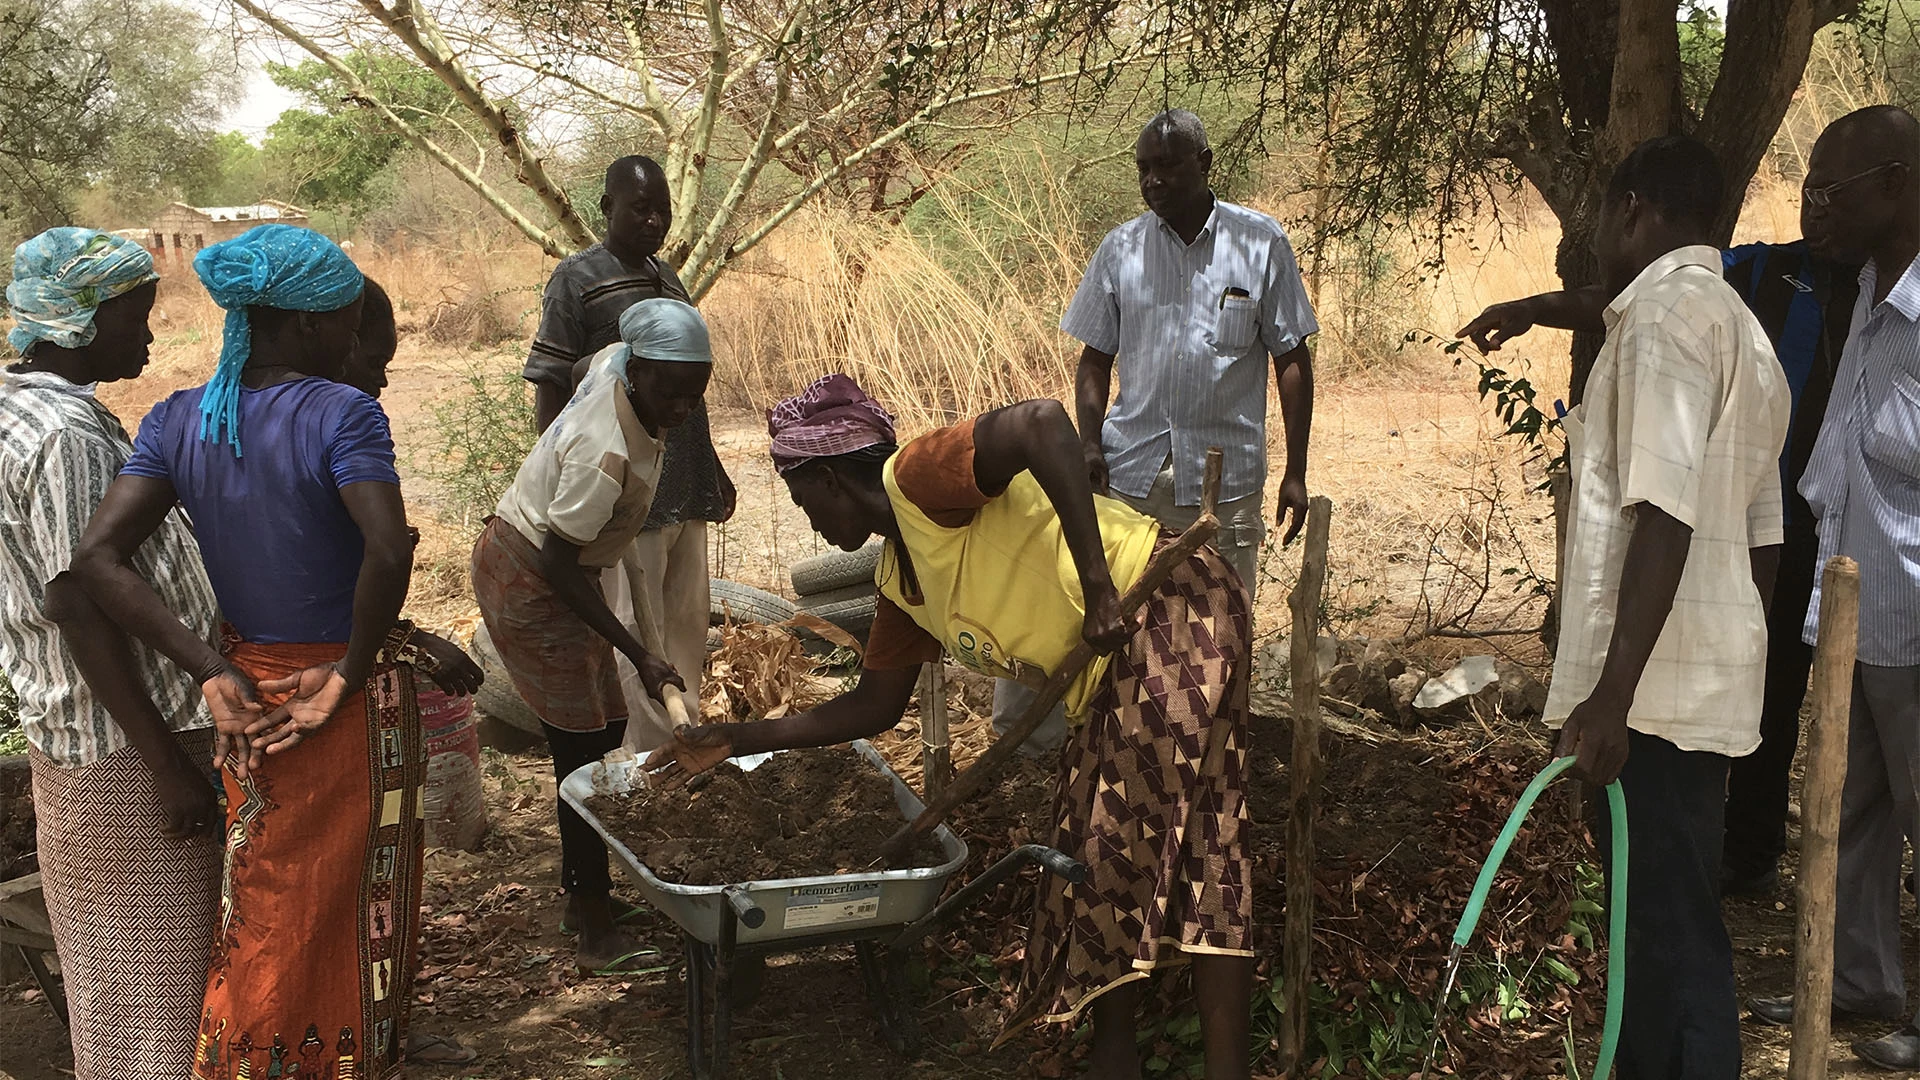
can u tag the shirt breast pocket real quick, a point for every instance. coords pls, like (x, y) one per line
(1893, 438)
(1236, 324)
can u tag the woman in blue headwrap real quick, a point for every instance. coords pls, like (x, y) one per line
(289, 478)
(117, 738)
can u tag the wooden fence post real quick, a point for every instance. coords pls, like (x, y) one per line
(1303, 783)
(1815, 884)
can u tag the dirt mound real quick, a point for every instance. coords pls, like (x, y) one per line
(803, 814)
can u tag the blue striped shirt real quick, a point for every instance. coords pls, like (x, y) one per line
(1192, 327)
(1863, 481)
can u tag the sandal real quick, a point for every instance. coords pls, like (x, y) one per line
(641, 961)
(426, 1049)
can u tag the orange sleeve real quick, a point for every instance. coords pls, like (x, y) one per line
(935, 473)
(896, 641)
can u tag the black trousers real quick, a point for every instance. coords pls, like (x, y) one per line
(1757, 785)
(583, 856)
(1681, 1018)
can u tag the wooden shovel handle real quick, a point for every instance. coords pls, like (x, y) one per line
(676, 706)
(1162, 565)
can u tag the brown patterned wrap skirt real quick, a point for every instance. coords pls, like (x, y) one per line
(1151, 796)
(132, 911)
(561, 667)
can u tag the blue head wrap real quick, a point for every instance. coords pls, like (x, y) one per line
(62, 276)
(663, 329)
(275, 266)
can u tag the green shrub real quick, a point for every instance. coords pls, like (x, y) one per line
(481, 435)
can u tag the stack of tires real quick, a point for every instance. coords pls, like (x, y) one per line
(838, 587)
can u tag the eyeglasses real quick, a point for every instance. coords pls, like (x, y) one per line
(1823, 196)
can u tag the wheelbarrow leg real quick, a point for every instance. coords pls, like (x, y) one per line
(696, 954)
(50, 987)
(723, 963)
(885, 974)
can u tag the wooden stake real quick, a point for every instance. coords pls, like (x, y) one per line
(936, 754)
(1303, 782)
(1833, 660)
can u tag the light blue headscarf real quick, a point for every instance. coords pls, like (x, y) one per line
(275, 266)
(62, 276)
(663, 329)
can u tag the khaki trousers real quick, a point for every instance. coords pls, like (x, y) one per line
(659, 590)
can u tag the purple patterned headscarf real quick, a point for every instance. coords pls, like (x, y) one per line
(831, 417)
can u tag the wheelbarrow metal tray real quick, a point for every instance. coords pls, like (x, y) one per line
(800, 907)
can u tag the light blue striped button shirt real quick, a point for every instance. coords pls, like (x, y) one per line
(1192, 359)
(1863, 480)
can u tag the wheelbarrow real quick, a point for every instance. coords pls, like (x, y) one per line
(24, 928)
(881, 914)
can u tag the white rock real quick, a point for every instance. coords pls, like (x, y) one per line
(1465, 679)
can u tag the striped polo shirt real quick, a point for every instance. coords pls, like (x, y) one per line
(580, 315)
(59, 450)
(1864, 478)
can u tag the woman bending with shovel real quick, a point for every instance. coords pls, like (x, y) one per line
(998, 552)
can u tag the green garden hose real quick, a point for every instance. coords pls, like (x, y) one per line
(1616, 914)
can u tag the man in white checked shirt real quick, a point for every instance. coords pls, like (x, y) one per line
(1863, 482)
(1672, 540)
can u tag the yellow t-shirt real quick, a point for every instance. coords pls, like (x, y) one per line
(996, 583)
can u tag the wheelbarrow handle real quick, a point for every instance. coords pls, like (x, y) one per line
(1056, 862)
(1059, 863)
(752, 915)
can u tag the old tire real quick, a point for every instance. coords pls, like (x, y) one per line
(744, 603)
(497, 697)
(850, 608)
(835, 570)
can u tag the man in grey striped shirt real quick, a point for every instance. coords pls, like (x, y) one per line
(1863, 482)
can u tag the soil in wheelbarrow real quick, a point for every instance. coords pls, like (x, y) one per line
(805, 813)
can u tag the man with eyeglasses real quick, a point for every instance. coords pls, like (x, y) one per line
(1863, 482)
(1803, 295)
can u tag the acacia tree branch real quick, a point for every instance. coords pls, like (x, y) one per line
(901, 131)
(360, 94)
(546, 69)
(693, 158)
(701, 268)
(672, 126)
(417, 29)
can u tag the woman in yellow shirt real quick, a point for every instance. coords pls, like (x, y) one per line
(999, 553)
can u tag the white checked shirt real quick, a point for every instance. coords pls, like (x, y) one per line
(59, 450)
(1192, 360)
(1863, 481)
(1686, 410)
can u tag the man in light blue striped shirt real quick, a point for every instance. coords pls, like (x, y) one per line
(1188, 301)
(1863, 482)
